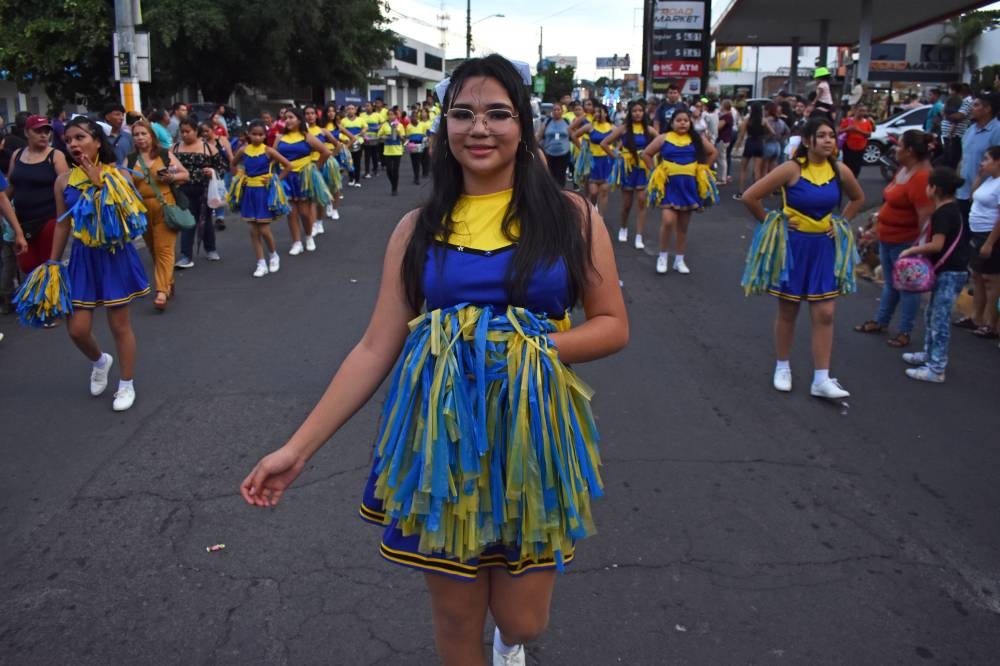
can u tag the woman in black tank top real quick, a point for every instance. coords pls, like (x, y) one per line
(33, 172)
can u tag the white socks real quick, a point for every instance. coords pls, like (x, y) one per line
(663, 255)
(101, 363)
(125, 384)
(500, 646)
(782, 365)
(820, 376)
(678, 258)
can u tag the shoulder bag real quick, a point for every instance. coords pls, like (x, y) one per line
(915, 273)
(175, 217)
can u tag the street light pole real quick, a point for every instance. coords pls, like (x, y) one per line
(468, 29)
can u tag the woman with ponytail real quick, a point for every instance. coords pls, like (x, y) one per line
(472, 314)
(804, 252)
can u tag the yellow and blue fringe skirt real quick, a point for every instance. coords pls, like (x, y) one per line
(44, 295)
(797, 265)
(584, 163)
(331, 175)
(487, 454)
(307, 184)
(627, 174)
(682, 186)
(257, 198)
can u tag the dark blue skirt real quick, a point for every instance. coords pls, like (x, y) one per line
(98, 276)
(811, 276)
(253, 205)
(600, 170)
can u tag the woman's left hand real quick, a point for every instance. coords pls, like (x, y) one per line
(905, 253)
(20, 244)
(208, 171)
(93, 170)
(985, 251)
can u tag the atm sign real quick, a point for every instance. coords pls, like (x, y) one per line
(678, 68)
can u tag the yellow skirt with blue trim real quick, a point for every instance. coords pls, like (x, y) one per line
(487, 454)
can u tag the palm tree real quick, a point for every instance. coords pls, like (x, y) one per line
(961, 31)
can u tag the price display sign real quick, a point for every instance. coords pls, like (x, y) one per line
(679, 45)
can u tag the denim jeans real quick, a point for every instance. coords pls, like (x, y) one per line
(938, 318)
(198, 208)
(888, 254)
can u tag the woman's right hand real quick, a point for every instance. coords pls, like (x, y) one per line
(269, 479)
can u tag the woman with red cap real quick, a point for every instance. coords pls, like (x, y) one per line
(33, 173)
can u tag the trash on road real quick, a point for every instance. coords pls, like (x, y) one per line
(217, 547)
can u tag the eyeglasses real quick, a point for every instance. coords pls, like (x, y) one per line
(495, 121)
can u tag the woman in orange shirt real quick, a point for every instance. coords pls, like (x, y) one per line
(858, 127)
(906, 210)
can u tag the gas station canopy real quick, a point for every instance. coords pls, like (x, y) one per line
(780, 22)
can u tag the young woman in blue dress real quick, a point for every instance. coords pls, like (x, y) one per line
(683, 151)
(634, 135)
(813, 184)
(594, 132)
(493, 259)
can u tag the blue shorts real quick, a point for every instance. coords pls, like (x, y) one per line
(600, 170)
(811, 269)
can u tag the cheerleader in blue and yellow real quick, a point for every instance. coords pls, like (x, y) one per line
(630, 172)
(682, 183)
(257, 193)
(805, 251)
(355, 125)
(594, 132)
(486, 462)
(99, 206)
(330, 169)
(305, 186)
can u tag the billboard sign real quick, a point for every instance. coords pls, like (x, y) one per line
(679, 43)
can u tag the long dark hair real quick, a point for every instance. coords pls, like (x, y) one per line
(551, 226)
(755, 123)
(628, 139)
(699, 145)
(300, 114)
(808, 135)
(106, 153)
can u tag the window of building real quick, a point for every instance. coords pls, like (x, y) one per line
(433, 62)
(406, 54)
(940, 53)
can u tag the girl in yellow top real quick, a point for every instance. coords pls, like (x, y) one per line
(390, 133)
(355, 125)
(594, 132)
(329, 170)
(416, 143)
(634, 136)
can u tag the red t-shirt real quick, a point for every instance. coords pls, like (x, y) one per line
(856, 141)
(897, 218)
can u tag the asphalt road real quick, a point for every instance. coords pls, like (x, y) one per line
(741, 526)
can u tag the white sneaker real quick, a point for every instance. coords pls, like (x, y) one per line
(296, 248)
(783, 379)
(213, 256)
(915, 358)
(318, 228)
(99, 376)
(310, 244)
(623, 235)
(830, 388)
(124, 397)
(335, 214)
(261, 269)
(925, 374)
(681, 267)
(515, 658)
(661, 265)
(274, 264)
(639, 245)
(329, 211)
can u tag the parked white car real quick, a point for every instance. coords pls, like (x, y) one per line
(878, 142)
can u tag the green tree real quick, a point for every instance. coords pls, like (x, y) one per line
(559, 81)
(65, 47)
(961, 31)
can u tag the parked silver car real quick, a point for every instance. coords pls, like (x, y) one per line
(878, 142)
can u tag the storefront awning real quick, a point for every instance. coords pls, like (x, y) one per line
(779, 22)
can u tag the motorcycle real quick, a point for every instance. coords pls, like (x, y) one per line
(887, 163)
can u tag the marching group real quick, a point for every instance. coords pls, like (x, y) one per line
(937, 223)
(104, 182)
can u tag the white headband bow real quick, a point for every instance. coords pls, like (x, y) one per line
(523, 68)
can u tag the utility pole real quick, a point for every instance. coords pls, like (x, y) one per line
(614, 61)
(443, 19)
(540, 56)
(468, 29)
(127, 14)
